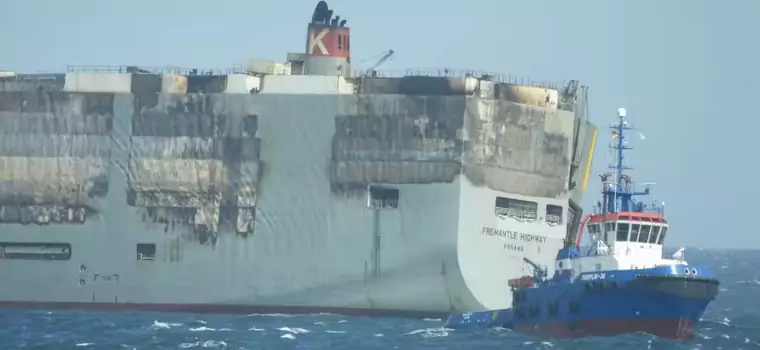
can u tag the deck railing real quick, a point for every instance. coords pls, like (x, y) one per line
(239, 69)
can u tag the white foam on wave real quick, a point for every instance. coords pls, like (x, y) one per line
(164, 325)
(293, 330)
(288, 336)
(431, 332)
(208, 329)
(214, 344)
(205, 344)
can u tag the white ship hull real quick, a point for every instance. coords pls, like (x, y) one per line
(315, 241)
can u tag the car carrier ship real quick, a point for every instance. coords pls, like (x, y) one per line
(297, 186)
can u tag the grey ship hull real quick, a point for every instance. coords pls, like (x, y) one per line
(233, 201)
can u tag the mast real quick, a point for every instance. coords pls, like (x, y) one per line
(617, 191)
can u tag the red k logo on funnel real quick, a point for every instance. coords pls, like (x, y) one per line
(315, 40)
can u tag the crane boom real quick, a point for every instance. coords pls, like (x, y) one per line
(386, 55)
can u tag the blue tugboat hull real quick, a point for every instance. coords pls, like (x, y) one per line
(580, 313)
(653, 301)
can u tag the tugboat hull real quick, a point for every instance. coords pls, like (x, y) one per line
(667, 306)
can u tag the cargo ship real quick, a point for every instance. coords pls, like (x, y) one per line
(620, 283)
(296, 186)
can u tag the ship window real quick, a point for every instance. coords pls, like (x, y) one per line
(340, 42)
(644, 234)
(662, 235)
(553, 214)
(516, 209)
(635, 232)
(146, 251)
(35, 251)
(622, 233)
(383, 197)
(610, 226)
(625, 217)
(653, 236)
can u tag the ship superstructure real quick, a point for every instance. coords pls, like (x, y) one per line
(295, 186)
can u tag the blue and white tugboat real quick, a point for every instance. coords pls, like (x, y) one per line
(620, 284)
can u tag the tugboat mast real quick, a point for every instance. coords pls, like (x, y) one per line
(618, 194)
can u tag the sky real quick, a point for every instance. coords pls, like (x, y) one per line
(686, 71)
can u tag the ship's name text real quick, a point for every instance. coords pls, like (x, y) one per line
(593, 276)
(525, 237)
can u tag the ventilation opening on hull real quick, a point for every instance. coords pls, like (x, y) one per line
(554, 214)
(35, 251)
(516, 209)
(146, 251)
(382, 197)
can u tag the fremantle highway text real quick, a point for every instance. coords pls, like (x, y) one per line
(513, 235)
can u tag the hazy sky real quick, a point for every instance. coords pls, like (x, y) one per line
(687, 71)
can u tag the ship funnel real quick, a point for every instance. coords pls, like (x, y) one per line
(328, 44)
(621, 112)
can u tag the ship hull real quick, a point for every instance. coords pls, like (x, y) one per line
(440, 276)
(668, 328)
(156, 198)
(660, 305)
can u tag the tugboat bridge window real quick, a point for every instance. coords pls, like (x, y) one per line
(622, 233)
(635, 232)
(644, 233)
(381, 197)
(662, 234)
(655, 233)
(146, 251)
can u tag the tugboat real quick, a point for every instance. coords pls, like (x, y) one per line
(620, 283)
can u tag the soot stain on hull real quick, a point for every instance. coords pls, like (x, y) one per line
(195, 128)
